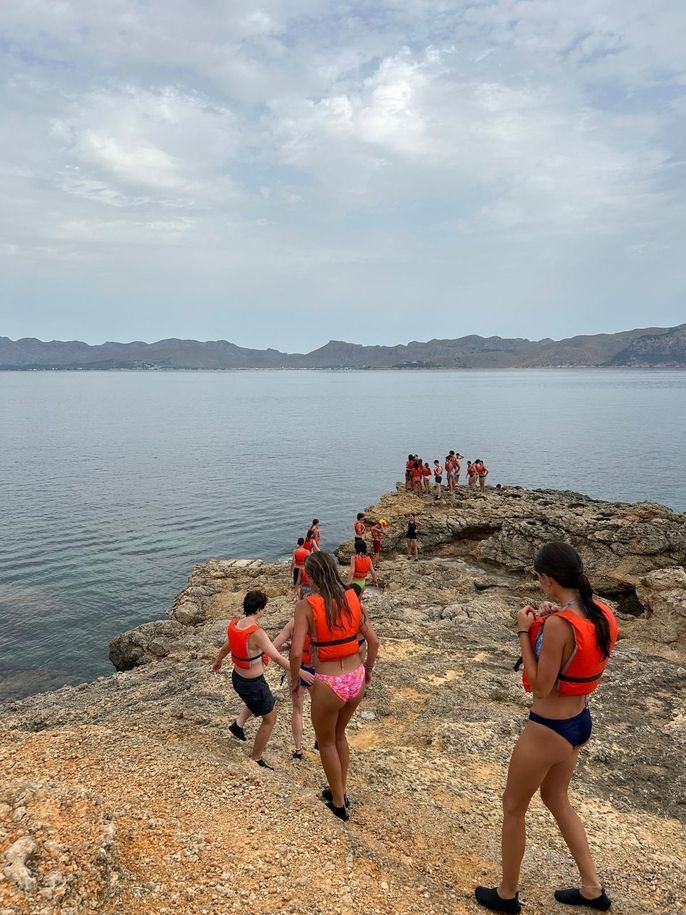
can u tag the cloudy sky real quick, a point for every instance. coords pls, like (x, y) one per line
(282, 173)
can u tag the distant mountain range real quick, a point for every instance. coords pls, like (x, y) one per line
(652, 347)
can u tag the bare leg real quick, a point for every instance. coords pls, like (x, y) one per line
(297, 718)
(243, 716)
(342, 748)
(554, 795)
(263, 733)
(325, 709)
(536, 752)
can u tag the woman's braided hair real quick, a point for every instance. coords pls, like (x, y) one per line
(563, 563)
(322, 570)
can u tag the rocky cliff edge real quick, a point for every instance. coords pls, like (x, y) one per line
(126, 795)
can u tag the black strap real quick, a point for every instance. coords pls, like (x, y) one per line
(350, 638)
(236, 658)
(568, 679)
(518, 663)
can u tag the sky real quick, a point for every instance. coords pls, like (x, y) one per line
(279, 174)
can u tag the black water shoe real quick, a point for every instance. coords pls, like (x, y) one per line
(237, 731)
(264, 765)
(490, 899)
(572, 896)
(340, 812)
(328, 796)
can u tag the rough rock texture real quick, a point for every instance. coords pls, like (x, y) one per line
(143, 804)
(619, 542)
(663, 594)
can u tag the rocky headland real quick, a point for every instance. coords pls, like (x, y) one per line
(125, 795)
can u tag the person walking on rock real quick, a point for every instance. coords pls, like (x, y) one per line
(361, 566)
(250, 649)
(359, 528)
(283, 640)
(561, 670)
(300, 554)
(411, 538)
(334, 619)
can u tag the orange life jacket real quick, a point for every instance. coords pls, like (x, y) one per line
(342, 641)
(582, 673)
(362, 566)
(308, 545)
(238, 642)
(304, 580)
(307, 650)
(300, 554)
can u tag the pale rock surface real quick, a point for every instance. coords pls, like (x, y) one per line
(144, 804)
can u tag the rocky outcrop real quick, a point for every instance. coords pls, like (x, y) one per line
(619, 542)
(139, 782)
(663, 594)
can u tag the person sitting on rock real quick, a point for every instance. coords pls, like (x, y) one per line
(250, 649)
(561, 670)
(334, 619)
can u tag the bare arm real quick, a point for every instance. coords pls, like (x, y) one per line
(265, 645)
(542, 672)
(300, 626)
(372, 638)
(352, 569)
(221, 654)
(284, 637)
(372, 572)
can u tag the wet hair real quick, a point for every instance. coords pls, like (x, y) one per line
(410, 457)
(322, 571)
(360, 516)
(564, 565)
(426, 463)
(452, 452)
(253, 602)
(361, 547)
(301, 540)
(315, 522)
(436, 461)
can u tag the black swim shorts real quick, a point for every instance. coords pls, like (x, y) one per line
(255, 693)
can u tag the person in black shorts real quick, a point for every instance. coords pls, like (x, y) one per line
(411, 536)
(250, 649)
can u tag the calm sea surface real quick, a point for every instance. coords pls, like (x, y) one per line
(114, 484)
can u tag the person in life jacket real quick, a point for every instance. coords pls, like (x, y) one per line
(457, 465)
(314, 533)
(377, 531)
(300, 554)
(481, 473)
(283, 640)
(565, 647)
(438, 479)
(335, 620)
(361, 566)
(471, 475)
(449, 465)
(409, 465)
(359, 528)
(250, 648)
(426, 478)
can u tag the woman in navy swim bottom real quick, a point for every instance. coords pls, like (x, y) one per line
(561, 670)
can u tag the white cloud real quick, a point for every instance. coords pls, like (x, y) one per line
(307, 152)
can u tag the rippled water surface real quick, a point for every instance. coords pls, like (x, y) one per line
(115, 484)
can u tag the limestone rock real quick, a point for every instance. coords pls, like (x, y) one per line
(17, 857)
(148, 642)
(663, 594)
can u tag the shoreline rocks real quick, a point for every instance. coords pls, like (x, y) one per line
(146, 751)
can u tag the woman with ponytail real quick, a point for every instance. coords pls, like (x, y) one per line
(561, 670)
(335, 619)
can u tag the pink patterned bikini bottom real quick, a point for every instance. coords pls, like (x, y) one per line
(346, 686)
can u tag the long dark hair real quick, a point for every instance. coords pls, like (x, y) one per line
(322, 569)
(563, 563)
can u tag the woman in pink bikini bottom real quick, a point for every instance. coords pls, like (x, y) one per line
(334, 617)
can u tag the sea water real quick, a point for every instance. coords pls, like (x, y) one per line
(114, 484)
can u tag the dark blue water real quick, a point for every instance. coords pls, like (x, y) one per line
(115, 484)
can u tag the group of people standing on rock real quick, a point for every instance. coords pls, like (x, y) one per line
(418, 475)
(332, 649)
